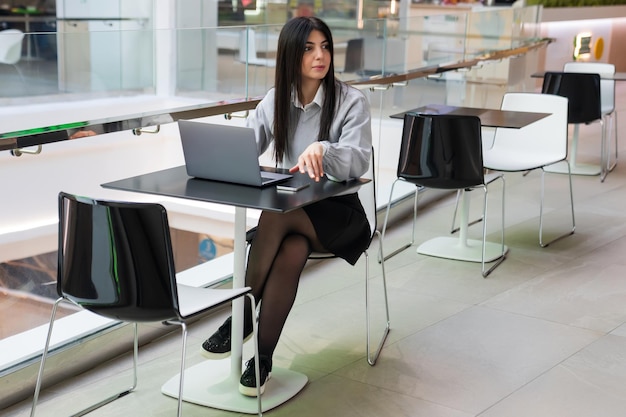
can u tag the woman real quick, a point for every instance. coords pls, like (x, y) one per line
(318, 126)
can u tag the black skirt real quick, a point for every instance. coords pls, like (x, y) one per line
(341, 225)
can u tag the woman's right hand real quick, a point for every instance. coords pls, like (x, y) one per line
(311, 161)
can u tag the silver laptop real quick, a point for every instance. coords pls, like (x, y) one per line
(224, 153)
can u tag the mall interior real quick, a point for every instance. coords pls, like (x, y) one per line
(91, 93)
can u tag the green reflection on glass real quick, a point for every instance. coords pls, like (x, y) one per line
(39, 130)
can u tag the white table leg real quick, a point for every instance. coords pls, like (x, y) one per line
(461, 248)
(577, 168)
(215, 383)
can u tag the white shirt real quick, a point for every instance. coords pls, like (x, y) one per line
(346, 151)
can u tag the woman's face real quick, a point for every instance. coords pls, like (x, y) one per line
(316, 59)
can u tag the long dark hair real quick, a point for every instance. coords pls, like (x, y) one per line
(291, 44)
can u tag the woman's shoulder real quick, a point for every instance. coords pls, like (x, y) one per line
(348, 93)
(346, 89)
(268, 99)
(269, 96)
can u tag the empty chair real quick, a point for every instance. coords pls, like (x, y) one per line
(248, 53)
(115, 259)
(584, 106)
(536, 146)
(607, 99)
(445, 152)
(11, 48)
(355, 60)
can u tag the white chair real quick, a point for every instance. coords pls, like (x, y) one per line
(11, 48)
(367, 195)
(248, 51)
(607, 99)
(537, 145)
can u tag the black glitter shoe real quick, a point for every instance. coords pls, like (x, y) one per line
(218, 345)
(247, 383)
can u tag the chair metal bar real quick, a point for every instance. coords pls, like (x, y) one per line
(181, 382)
(384, 228)
(604, 152)
(257, 361)
(45, 356)
(571, 194)
(502, 257)
(371, 359)
(613, 121)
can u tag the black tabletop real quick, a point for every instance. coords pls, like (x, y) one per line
(488, 117)
(618, 76)
(174, 182)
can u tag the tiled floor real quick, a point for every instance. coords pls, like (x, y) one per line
(543, 336)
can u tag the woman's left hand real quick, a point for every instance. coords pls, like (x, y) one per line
(310, 161)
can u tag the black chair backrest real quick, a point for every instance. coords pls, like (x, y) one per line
(115, 259)
(441, 151)
(355, 58)
(582, 90)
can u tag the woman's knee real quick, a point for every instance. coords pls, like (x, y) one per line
(295, 247)
(269, 219)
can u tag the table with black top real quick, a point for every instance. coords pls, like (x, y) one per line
(575, 167)
(488, 117)
(617, 76)
(214, 383)
(463, 248)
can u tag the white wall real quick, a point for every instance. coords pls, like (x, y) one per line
(563, 24)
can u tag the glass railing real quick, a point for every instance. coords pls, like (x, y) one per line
(89, 77)
(154, 73)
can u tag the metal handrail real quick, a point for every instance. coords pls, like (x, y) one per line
(16, 141)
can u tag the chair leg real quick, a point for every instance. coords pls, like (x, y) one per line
(181, 381)
(612, 128)
(122, 393)
(384, 228)
(45, 356)
(574, 146)
(571, 196)
(371, 359)
(183, 326)
(19, 72)
(604, 152)
(257, 369)
(502, 257)
(257, 372)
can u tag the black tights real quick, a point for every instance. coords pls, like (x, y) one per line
(277, 257)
